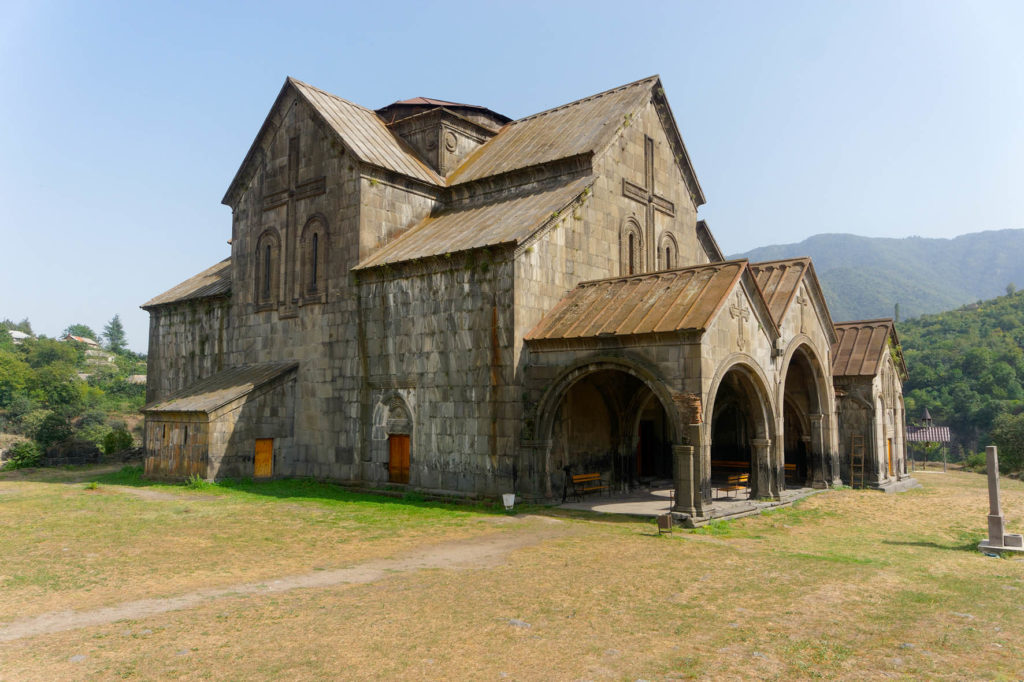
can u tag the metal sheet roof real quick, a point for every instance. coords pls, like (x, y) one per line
(508, 221)
(586, 125)
(206, 395)
(214, 281)
(667, 301)
(928, 434)
(779, 281)
(860, 347)
(366, 135)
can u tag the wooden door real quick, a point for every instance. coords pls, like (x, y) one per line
(263, 465)
(888, 451)
(398, 458)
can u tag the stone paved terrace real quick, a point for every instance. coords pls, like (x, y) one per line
(657, 501)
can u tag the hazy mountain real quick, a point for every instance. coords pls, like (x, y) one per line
(864, 277)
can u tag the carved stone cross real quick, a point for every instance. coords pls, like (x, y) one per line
(645, 194)
(293, 191)
(802, 300)
(743, 315)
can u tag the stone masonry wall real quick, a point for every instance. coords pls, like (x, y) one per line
(187, 342)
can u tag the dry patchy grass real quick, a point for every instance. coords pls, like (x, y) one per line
(848, 584)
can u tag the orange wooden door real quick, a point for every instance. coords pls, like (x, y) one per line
(398, 459)
(263, 465)
(889, 453)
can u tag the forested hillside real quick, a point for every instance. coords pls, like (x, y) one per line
(967, 367)
(866, 277)
(52, 391)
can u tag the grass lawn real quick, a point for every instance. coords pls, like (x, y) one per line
(849, 584)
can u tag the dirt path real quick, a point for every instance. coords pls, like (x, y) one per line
(476, 553)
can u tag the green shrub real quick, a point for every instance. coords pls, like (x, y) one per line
(53, 429)
(976, 462)
(23, 454)
(116, 441)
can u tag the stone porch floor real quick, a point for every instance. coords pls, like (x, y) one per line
(656, 501)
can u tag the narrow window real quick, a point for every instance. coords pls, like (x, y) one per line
(316, 262)
(668, 257)
(632, 257)
(185, 439)
(266, 272)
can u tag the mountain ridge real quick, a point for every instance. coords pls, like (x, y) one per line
(865, 277)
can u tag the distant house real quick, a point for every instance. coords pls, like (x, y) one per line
(82, 339)
(18, 336)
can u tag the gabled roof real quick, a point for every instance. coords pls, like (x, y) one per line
(359, 128)
(862, 345)
(586, 126)
(214, 281)
(780, 281)
(216, 391)
(668, 301)
(509, 221)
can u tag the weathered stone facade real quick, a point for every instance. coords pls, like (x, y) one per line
(418, 264)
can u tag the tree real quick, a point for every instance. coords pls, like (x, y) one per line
(114, 334)
(14, 375)
(80, 330)
(23, 326)
(1008, 436)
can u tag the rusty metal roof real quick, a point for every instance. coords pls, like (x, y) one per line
(583, 126)
(215, 281)
(366, 135)
(667, 301)
(928, 434)
(861, 347)
(508, 221)
(779, 281)
(213, 392)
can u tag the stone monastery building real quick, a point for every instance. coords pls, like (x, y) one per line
(433, 295)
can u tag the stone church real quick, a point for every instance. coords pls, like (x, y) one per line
(435, 296)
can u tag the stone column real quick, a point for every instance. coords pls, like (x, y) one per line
(823, 467)
(812, 464)
(777, 482)
(686, 468)
(761, 485)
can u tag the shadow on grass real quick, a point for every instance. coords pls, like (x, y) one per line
(954, 546)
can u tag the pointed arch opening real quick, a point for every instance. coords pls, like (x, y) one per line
(313, 252)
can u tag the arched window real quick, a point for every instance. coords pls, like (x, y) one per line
(631, 248)
(668, 252)
(266, 270)
(313, 260)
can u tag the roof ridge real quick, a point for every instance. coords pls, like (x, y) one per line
(588, 98)
(877, 319)
(673, 271)
(296, 81)
(759, 263)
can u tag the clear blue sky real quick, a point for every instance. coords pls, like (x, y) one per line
(122, 124)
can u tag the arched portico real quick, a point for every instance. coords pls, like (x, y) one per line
(806, 419)
(737, 436)
(610, 416)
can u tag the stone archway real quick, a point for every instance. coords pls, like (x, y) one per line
(608, 416)
(804, 421)
(738, 434)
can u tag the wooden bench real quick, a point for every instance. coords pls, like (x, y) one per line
(734, 482)
(583, 484)
(729, 464)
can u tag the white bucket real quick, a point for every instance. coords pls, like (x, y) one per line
(509, 499)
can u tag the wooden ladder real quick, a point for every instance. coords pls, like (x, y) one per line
(856, 461)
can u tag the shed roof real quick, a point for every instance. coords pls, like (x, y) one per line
(213, 281)
(217, 390)
(861, 346)
(666, 301)
(928, 434)
(508, 221)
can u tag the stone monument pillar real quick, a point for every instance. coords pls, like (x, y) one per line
(687, 480)
(761, 485)
(998, 539)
